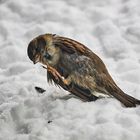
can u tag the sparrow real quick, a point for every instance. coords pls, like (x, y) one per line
(74, 67)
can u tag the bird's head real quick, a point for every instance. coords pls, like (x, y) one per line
(42, 49)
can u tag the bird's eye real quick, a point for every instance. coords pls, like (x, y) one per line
(47, 56)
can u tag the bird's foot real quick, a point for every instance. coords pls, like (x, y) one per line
(54, 72)
(57, 75)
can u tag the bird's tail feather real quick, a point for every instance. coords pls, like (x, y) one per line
(127, 100)
(124, 98)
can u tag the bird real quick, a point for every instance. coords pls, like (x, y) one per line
(77, 69)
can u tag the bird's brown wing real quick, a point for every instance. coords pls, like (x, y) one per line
(78, 91)
(71, 46)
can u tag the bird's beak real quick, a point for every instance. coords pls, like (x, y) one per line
(36, 60)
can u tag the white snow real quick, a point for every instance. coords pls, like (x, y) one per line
(111, 28)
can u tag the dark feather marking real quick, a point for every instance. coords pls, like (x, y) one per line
(85, 92)
(69, 44)
(30, 49)
(64, 47)
(41, 43)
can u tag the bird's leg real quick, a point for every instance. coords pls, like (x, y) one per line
(54, 72)
(57, 75)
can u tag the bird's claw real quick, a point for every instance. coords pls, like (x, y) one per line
(55, 73)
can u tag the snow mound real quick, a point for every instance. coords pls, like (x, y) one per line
(110, 28)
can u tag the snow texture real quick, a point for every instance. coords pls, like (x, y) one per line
(111, 28)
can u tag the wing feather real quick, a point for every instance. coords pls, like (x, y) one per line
(71, 46)
(78, 91)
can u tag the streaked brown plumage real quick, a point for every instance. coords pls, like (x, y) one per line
(76, 68)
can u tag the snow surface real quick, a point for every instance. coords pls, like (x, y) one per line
(111, 28)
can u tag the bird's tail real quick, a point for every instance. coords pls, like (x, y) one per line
(124, 98)
(127, 100)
